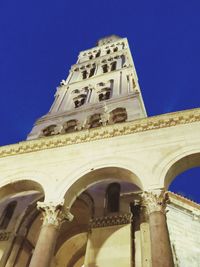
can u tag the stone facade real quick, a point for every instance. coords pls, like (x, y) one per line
(184, 228)
(94, 193)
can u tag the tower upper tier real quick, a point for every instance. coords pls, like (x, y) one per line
(101, 88)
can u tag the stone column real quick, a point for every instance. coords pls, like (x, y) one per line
(52, 219)
(161, 252)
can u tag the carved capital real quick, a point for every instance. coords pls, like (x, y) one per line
(54, 214)
(155, 201)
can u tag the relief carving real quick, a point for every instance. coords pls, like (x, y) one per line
(111, 220)
(155, 201)
(54, 214)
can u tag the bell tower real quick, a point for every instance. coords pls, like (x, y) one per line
(101, 89)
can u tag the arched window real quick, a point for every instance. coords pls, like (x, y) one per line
(113, 197)
(76, 91)
(108, 51)
(123, 60)
(105, 68)
(7, 214)
(70, 126)
(113, 66)
(98, 53)
(118, 115)
(92, 71)
(84, 74)
(104, 94)
(95, 120)
(49, 130)
(115, 49)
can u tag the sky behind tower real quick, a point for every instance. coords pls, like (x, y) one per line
(40, 40)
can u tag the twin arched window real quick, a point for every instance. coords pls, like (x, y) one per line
(104, 94)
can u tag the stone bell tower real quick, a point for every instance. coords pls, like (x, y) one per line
(89, 188)
(101, 88)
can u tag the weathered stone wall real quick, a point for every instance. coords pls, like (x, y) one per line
(184, 230)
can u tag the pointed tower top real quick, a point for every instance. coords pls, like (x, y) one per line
(108, 39)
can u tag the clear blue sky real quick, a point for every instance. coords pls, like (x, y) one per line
(40, 40)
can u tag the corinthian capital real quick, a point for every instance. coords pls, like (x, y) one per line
(155, 201)
(53, 214)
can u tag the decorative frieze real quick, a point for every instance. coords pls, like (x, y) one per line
(125, 128)
(111, 220)
(155, 201)
(53, 214)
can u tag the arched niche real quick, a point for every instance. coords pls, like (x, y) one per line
(180, 165)
(95, 176)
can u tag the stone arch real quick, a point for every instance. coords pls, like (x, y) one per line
(22, 181)
(177, 163)
(26, 214)
(95, 176)
(76, 245)
(139, 169)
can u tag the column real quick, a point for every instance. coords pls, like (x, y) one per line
(161, 252)
(93, 95)
(52, 219)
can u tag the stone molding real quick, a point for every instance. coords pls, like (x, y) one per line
(117, 219)
(155, 201)
(142, 125)
(177, 199)
(53, 214)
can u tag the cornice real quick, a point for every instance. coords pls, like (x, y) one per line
(178, 199)
(109, 131)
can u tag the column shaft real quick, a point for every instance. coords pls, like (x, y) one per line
(161, 253)
(45, 247)
(160, 243)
